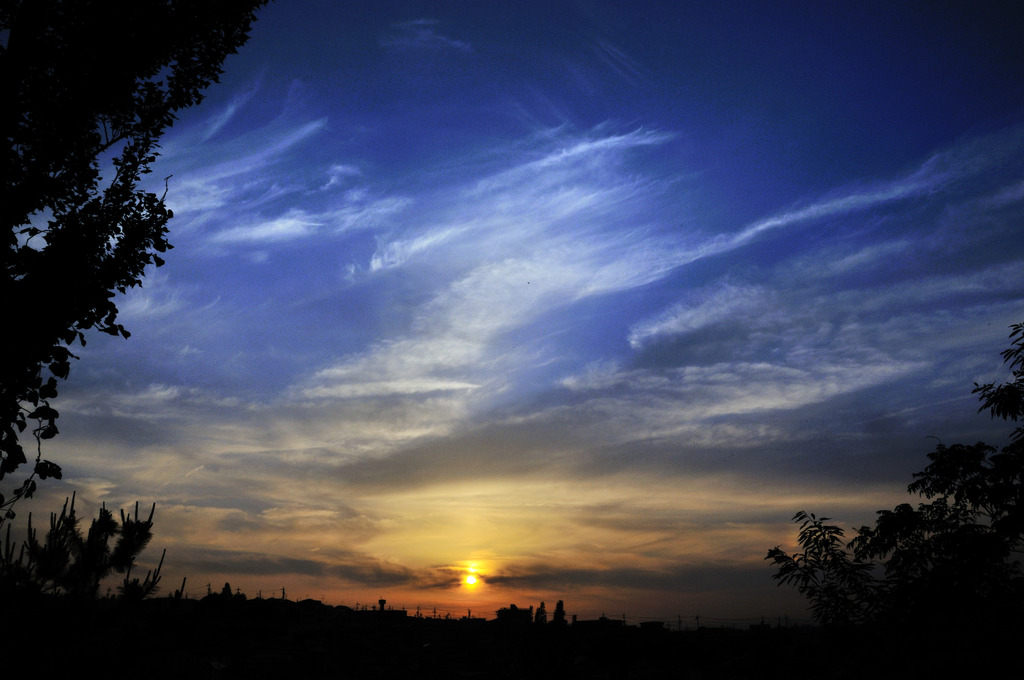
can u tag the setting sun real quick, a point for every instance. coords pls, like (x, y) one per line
(470, 580)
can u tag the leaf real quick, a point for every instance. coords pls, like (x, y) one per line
(49, 390)
(15, 457)
(44, 412)
(45, 469)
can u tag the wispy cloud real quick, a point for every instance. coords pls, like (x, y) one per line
(422, 34)
(620, 63)
(942, 169)
(541, 234)
(725, 302)
(295, 225)
(230, 173)
(221, 118)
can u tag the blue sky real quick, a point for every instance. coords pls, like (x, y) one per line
(588, 297)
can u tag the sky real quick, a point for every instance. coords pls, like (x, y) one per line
(586, 299)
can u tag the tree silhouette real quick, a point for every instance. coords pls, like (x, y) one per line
(956, 555)
(89, 86)
(1006, 401)
(72, 564)
(839, 586)
(514, 616)
(558, 618)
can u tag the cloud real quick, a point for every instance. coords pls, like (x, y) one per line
(383, 387)
(643, 405)
(396, 253)
(243, 563)
(725, 302)
(557, 229)
(339, 175)
(220, 119)
(526, 240)
(939, 172)
(214, 175)
(620, 63)
(295, 225)
(159, 298)
(254, 189)
(352, 567)
(422, 34)
(917, 183)
(681, 579)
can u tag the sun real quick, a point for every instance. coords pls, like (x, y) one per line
(471, 579)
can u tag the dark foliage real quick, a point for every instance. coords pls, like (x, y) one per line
(71, 564)
(840, 587)
(954, 557)
(558, 619)
(89, 86)
(1006, 401)
(958, 554)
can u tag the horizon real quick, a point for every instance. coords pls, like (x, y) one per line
(582, 299)
(675, 622)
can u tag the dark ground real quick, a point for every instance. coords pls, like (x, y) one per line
(217, 638)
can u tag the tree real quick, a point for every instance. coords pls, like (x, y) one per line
(541, 615)
(956, 555)
(1006, 401)
(72, 564)
(514, 616)
(839, 586)
(89, 87)
(558, 618)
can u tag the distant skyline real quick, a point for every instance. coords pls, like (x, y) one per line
(585, 299)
